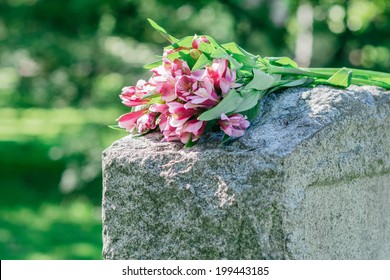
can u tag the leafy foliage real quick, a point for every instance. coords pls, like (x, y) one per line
(59, 58)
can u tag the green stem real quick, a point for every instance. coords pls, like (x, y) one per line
(356, 72)
(359, 77)
(272, 69)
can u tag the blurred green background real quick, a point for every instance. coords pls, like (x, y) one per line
(63, 64)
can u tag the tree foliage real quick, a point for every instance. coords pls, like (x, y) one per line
(81, 52)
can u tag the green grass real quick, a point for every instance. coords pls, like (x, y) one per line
(38, 219)
(49, 124)
(68, 230)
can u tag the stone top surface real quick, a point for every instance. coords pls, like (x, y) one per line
(287, 118)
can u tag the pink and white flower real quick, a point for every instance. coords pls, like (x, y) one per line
(234, 125)
(169, 132)
(224, 78)
(146, 122)
(192, 130)
(182, 95)
(129, 120)
(179, 114)
(205, 96)
(177, 68)
(167, 52)
(185, 86)
(159, 108)
(166, 76)
(132, 96)
(165, 85)
(138, 121)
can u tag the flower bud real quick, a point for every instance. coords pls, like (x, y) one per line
(195, 53)
(234, 125)
(196, 41)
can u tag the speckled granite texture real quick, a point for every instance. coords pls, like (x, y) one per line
(310, 179)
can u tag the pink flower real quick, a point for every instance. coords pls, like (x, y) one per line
(158, 108)
(146, 123)
(196, 41)
(170, 51)
(205, 96)
(177, 68)
(192, 129)
(129, 120)
(234, 125)
(132, 96)
(222, 75)
(165, 85)
(166, 75)
(179, 114)
(166, 129)
(185, 86)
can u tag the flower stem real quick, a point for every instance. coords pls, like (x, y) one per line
(272, 69)
(359, 77)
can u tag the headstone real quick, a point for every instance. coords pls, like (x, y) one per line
(310, 179)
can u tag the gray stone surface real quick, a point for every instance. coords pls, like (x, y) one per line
(309, 180)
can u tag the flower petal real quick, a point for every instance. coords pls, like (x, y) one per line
(129, 120)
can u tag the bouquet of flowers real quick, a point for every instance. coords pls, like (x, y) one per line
(199, 85)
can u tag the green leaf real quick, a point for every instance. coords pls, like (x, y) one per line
(153, 64)
(206, 47)
(250, 100)
(173, 56)
(252, 113)
(186, 56)
(294, 83)
(210, 125)
(190, 143)
(183, 54)
(212, 41)
(231, 101)
(236, 49)
(138, 135)
(232, 47)
(299, 82)
(201, 62)
(240, 55)
(116, 127)
(162, 31)
(341, 78)
(151, 94)
(156, 100)
(245, 60)
(262, 61)
(221, 53)
(185, 42)
(260, 81)
(226, 138)
(284, 61)
(277, 78)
